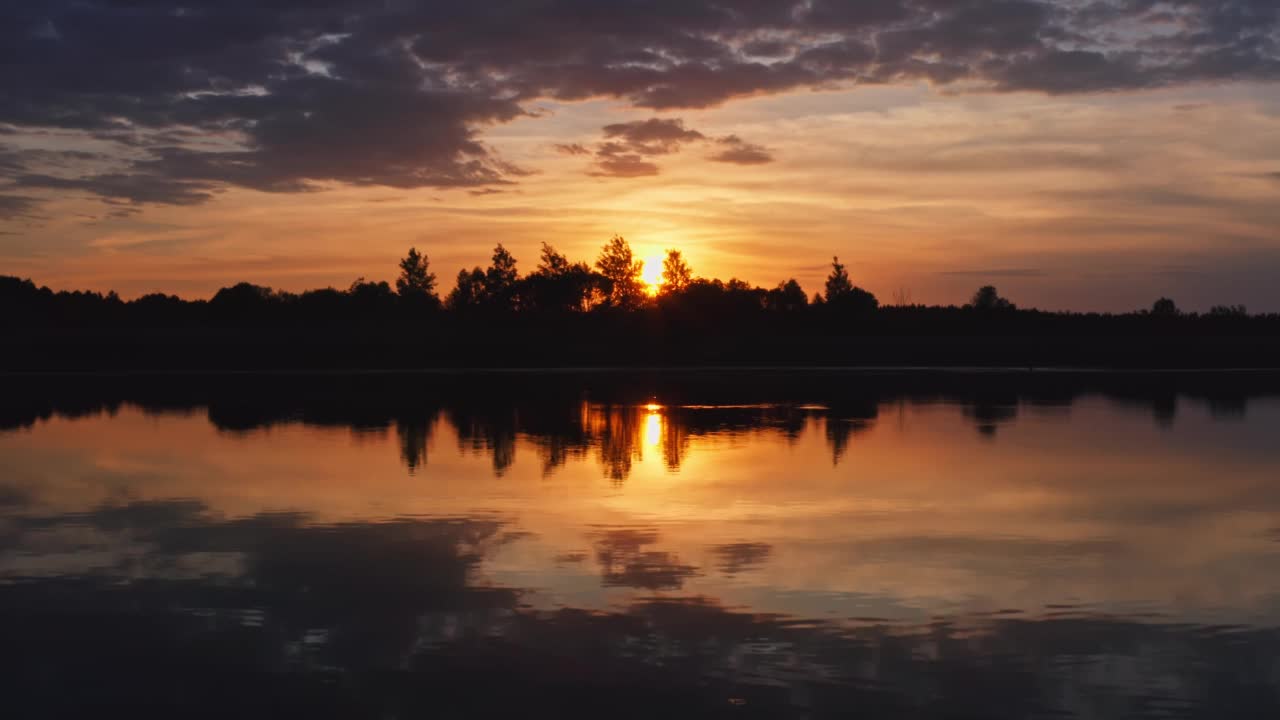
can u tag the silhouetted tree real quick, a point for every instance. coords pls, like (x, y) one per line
(469, 292)
(1164, 307)
(552, 263)
(987, 298)
(366, 292)
(560, 286)
(676, 273)
(416, 278)
(843, 295)
(787, 297)
(500, 279)
(242, 294)
(838, 283)
(619, 266)
(1237, 311)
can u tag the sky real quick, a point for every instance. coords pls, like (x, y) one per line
(1077, 154)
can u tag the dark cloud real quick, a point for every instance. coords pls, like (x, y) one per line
(654, 136)
(609, 164)
(290, 95)
(572, 149)
(133, 188)
(16, 206)
(740, 152)
(627, 147)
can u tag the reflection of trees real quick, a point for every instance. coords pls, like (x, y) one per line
(675, 441)
(848, 417)
(414, 435)
(617, 434)
(488, 427)
(839, 432)
(988, 413)
(569, 417)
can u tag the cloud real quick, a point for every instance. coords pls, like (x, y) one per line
(16, 206)
(998, 273)
(572, 149)
(136, 189)
(739, 152)
(292, 96)
(629, 165)
(627, 147)
(654, 136)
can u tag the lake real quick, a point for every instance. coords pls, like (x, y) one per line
(642, 544)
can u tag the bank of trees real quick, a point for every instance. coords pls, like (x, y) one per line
(615, 283)
(596, 296)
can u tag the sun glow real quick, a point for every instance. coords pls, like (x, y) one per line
(653, 426)
(652, 274)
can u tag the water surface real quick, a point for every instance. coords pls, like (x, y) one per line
(829, 545)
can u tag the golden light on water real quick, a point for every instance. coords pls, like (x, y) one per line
(653, 425)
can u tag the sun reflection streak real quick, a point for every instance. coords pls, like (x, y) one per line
(653, 426)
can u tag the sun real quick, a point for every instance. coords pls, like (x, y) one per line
(652, 274)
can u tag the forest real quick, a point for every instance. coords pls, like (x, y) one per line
(571, 314)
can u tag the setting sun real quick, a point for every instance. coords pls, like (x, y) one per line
(652, 274)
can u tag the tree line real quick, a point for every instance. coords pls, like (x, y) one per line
(575, 314)
(556, 287)
(614, 282)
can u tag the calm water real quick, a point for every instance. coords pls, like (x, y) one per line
(833, 545)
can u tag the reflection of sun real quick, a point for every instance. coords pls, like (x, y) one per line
(652, 274)
(653, 426)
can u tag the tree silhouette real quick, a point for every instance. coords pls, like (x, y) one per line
(469, 291)
(987, 298)
(618, 265)
(1238, 311)
(416, 278)
(843, 295)
(838, 283)
(787, 297)
(552, 263)
(500, 279)
(676, 273)
(560, 286)
(1164, 307)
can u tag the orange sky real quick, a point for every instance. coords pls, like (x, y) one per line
(1086, 203)
(1090, 158)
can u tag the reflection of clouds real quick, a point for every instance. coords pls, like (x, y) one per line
(625, 561)
(737, 558)
(926, 517)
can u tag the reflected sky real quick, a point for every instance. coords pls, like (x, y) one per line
(1002, 551)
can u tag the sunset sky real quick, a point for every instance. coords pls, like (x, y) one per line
(1078, 154)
